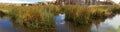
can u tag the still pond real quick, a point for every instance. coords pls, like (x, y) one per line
(111, 24)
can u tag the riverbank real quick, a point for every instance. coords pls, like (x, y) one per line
(85, 14)
(42, 17)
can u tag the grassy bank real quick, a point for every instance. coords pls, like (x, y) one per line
(43, 16)
(32, 16)
(85, 14)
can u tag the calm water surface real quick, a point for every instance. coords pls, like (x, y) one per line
(102, 25)
(6, 25)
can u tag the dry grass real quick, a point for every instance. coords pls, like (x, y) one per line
(43, 16)
(32, 16)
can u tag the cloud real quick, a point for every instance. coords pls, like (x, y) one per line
(22, 1)
(13, 1)
(50, 0)
(116, 1)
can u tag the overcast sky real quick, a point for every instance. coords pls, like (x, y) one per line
(30, 1)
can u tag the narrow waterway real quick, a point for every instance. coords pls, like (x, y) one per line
(6, 25)
(103, 25)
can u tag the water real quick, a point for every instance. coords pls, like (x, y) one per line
(60, 19)
(60, 24)
(6, 25)
(101, 25)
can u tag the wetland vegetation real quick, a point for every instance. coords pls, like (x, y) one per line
(42, 17)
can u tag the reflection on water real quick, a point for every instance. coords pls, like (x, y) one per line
(60, 19)
(60, 24)
(115, 22)
(99, 25)
(6, 25)
(109, 25)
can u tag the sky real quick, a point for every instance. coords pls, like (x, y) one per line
(116, 1)
(22, 1)
(30, 1)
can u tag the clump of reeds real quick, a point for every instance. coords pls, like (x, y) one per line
(32, 16)
(84, 14)
(115, 9)
(42, 16)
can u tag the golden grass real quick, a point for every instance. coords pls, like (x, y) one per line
(43, 16)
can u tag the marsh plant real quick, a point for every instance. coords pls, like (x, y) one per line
(33, 16)
(43, 16)
(84, 14)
